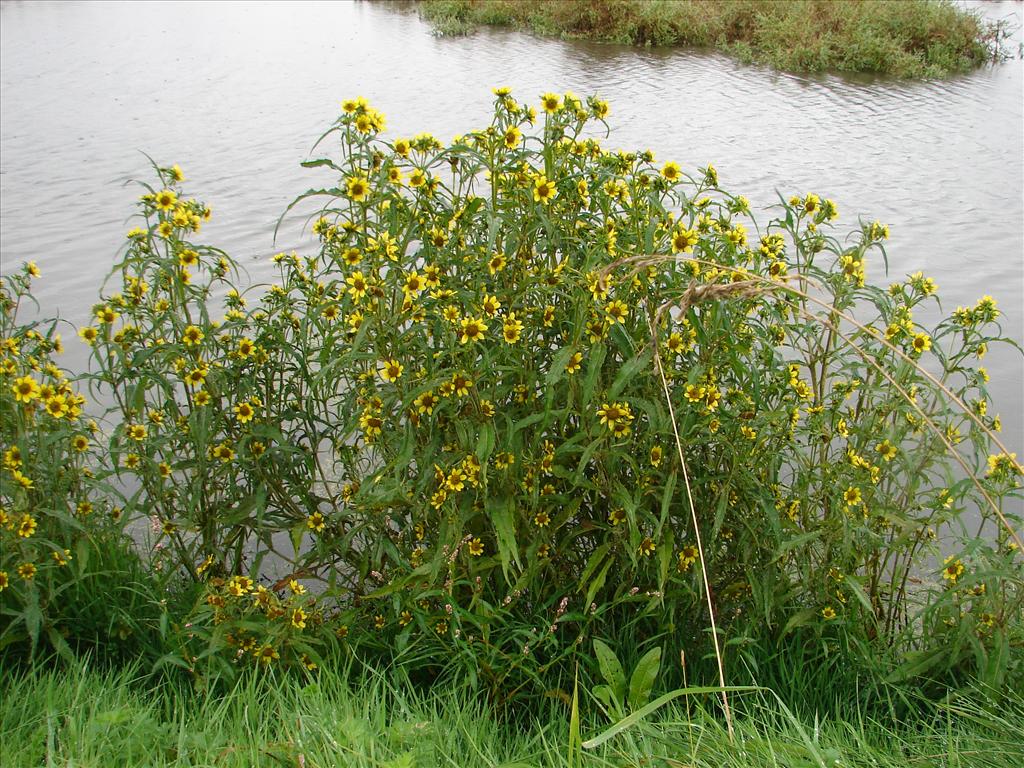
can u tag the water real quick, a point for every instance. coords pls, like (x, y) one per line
(236, 94)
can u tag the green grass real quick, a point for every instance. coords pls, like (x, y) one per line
(83, 717)
(910, 38)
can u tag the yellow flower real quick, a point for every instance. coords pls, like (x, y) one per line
(57, 406)
(25, 389)
(315, 522)
(544, 191)
(460, 384)
(425, 402)
(574, 363)
(512, 328)
(550, 102)
(244, 412)
(1002, 465)
(952, 570)
(512, 137)
(542, 519)
(27, 571)
(88, 334)
(32, 269)
(106, 315)
(887, 450)
(192, 336)
(371, 424)
(655, 456)
(455, 480)
(687, 557)
(852, 496)
(390, 370)
(136, 431)
(61, 557)
(357, 188)
(4, 581)
(921, 342)
(414, 284)
(473, 329)
(694, 393)
(828, 613)
(22, 480)
(266, 655)
(12, 457)
(647, 547)
(224, 452)
(357, 286)
(617, 312)
(80, 443)
(165, 200)
(298, 618)
(496, 263)
(617, 416)
(671, 172)
(683, 240)
(246, 347)
(27, 526)
(188, 258)
(476, 547)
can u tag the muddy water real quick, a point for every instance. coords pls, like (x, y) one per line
(236, 94)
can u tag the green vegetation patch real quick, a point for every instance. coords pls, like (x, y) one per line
(910, 38)
(86, 717)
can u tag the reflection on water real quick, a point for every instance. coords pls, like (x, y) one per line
(236, 93)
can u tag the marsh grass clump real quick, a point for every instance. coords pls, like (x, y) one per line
(913, 38)
(525, 393)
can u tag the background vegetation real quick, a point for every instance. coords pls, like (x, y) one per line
(910, 38)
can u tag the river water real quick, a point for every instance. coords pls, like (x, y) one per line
(237, 93)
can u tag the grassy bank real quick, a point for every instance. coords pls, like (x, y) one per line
(911, 38)
(90, 718)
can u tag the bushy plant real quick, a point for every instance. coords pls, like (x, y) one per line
(526, 392)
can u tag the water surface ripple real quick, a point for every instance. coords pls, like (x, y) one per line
(236, 93)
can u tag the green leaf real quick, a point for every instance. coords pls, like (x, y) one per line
(666, 548)
(795, 542)
(632, 719)
(595, 360)
(598, 582)
(485, 443)
(858, 591)
(642, 680)
(502, 517)
(60, 644)
(557, 370)
(611, 669)
(628, 372)
(799, 619)
(321, 161)
(595, 560)
(33, 615)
